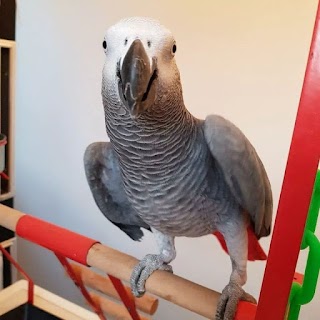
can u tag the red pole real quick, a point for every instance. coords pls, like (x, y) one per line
(296, 192)
(78, 282)
(126, 298)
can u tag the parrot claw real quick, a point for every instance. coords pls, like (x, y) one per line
(227, 305)
(143, 270)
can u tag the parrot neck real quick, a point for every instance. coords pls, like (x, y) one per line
(165, 115)
(164, 124)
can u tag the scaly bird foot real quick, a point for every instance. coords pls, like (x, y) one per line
(143, 270)
(227, 305)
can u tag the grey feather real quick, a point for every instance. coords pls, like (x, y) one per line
(105, 181)
(242, 169)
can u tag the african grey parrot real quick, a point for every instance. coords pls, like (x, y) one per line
(167, 171)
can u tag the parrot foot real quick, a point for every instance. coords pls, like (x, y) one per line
(227, 305)
(143, 270)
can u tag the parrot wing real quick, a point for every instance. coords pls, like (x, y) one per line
(242, 169)
(105, 181)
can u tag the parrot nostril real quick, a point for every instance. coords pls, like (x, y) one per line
(149, 43)
(126, 41)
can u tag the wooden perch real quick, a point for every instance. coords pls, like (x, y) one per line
(163, 284)
(103, 284)
(117, 311)
(173, 288)
(7, 243)
(17, 295)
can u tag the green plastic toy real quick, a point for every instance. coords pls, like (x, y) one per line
(303, 294)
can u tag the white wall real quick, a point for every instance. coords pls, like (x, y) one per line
(242, 59)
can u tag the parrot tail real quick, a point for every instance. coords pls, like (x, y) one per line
(255, 252)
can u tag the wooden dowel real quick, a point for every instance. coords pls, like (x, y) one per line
(7, 243)
(147, 304)
(115, 310)
(175, 289)
(9, 217)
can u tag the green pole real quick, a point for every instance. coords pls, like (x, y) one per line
(303, 294)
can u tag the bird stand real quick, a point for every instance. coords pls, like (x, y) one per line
(3, 142)
(7, 117)
(117, 265)
(4, 244)
(36, 303)
(45, 306)
(62, 242)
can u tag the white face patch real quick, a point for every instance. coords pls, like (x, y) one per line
(153, 35)
(157, 40)
(127, 84)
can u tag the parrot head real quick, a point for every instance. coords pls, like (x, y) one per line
(140, 67)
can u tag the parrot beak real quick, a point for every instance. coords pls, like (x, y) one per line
(137, 79)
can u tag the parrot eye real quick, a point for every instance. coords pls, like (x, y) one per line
(174, 49)
(104, 44)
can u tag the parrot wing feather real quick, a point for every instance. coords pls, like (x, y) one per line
(242, 169)
(105, 181)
